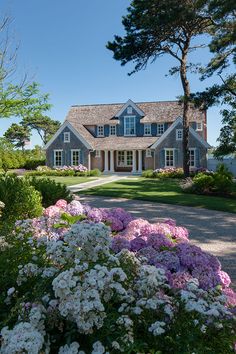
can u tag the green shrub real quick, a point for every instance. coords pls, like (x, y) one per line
(147, 174)
(50, 190)
(21, 200)
(202, 183)
(32, 164)
(223, 180)
(96, 172)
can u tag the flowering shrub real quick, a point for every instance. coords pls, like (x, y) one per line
(79, 170)
(97, 281)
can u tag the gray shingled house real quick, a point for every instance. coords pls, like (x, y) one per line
(128, 137)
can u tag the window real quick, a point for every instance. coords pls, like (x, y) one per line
(148, 153)
(100, 130)
(160, 129)
(75, 157)
(179, 134)
(124, 158)
(57, 158)
(129, 110)
(199, 126)
(169, 158)
(130, 126)
(147, 129)
(192, 157)
(98, 153)
(112, 129)
(66, 137)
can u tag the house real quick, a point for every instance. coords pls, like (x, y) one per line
(128, 137)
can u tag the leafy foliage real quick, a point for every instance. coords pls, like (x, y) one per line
(17, 135)
(50, 190)
(45, 126)
(20, 198)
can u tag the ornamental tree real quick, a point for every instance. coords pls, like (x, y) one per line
(45, 126)
(158, 27)
(17, 135)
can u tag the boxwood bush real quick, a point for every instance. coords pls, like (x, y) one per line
(50, 190)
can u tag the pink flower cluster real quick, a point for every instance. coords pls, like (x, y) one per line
(79, 168)
(163, 244)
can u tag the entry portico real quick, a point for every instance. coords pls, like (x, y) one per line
(123, 161)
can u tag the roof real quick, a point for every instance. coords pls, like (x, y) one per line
(163, 111)
(86, 115)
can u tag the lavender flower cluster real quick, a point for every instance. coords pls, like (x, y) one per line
(79, 168)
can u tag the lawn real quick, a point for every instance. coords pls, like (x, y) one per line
(161, 191)
(70, 180)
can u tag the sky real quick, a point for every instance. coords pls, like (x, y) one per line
(63, 48)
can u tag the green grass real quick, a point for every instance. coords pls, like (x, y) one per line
(161, 191)
(70, 180)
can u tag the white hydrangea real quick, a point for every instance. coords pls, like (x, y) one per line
(98, 348)
(72, 348)
(28, 270)
(23, 338)
(157, 328)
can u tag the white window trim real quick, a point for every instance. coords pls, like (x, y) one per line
(163, 126)
(71, 156)
(125, 117)
(199, 130)
(148, 153)
(98, 134)
(97, 153)
(150, 125)
(194, 149)
(125, 159)
(177, 135)
(54, 157)
(67, 134)
(170, 149)
(111, 126)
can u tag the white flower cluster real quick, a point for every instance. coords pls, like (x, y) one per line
(25, 337)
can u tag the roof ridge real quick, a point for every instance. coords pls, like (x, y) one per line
(111, 104)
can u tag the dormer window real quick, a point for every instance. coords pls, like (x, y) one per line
(112, 129)
(147, 129)
(129, 124)
(199, 126)
(100, 130)
(160, 129)
(130, 110)
(66, 137)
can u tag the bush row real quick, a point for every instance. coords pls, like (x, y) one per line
(64, 172)
(171, 172)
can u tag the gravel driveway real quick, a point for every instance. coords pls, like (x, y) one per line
(213, 231)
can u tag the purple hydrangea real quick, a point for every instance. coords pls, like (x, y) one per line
(119, 243)
(167, 258)
(159, 240)
(75, 208)
(95, 215)
(137, 244)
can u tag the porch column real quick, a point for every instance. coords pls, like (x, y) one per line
(111, 161)
(134, 162)
(89, 161)
(140, 161)
(106, 161)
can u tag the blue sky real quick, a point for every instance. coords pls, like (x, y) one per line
(62, 46)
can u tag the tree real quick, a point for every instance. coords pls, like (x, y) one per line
(17, 135)
(45, 126)
(16, 99)
(157, 27)
(223, 49)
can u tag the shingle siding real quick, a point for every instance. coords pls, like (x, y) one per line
(58, 144)
(171, 142)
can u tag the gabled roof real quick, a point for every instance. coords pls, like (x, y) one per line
(172, 127)
(154, 112)
(128, 104)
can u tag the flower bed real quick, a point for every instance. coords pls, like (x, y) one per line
(79, 170)
(99, 281)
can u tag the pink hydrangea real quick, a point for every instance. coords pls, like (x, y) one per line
(52, 211)
(61, 203)
(231, 296)
(115, 224)
(178, 280)
(75, 208)
(224, 278)
(95, 215)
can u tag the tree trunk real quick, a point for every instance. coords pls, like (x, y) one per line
(186, 88)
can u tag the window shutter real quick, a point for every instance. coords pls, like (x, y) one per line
(52, 163)
(176, 157)
(96, 130)
(81, 157)
(194, 125)
(197, 158)
(165, 126)
(69, 158)
(162, 158)
(63, 157)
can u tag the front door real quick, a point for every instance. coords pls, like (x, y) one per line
(124, 160)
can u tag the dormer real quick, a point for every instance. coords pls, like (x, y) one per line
(130, 108)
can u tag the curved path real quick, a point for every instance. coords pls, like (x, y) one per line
(212, 230)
